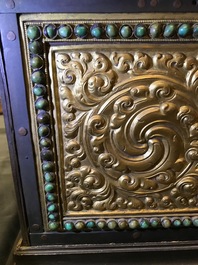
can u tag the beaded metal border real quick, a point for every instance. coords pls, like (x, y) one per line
(36, 34)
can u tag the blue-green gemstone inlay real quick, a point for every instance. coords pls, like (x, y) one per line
(140, 31)
(33, 32)
(155, 222)
(81, 31)
(45, 142)
(111, 31)
(53, 216)
(49, 187)
(48, 166)
(144, 223)
(90, 224)
(195, 222)
(177, 222)
(166, 223)
(155, 30)
(52, 207)
(195, 30)
(41, 103)
(39, 90)
(49, 176)
(69, 226)
(43, 131)
(169, 30)
(50, 31)
(184, 30)
(43, 117)
(51, 197)
(36, 62)
(53, 226)
(65, 31)
(96, 31)
(46, 155)
(36, 47)
(126, 31)
(187, 221)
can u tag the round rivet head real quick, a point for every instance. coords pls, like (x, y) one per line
(49, 187)
(140, 31)
(111, 31)
(81, 31)
(53, 226)
(184, 30)
(38, 77)
(39, 90)
(96, 31)
(22, 131)
(49, 176)
(43, 130)
(69, 226)
(11, 36)
(33, 32)
(48, 166)
(43, 117)
(50, 31)
(155, 30)
(169, 30)
(45, 142)
(36, 62)
(65, 31)
(126, 31)
(195, 30)
(36, 47)
(41, 103)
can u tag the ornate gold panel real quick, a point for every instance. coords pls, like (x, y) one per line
(114, 113)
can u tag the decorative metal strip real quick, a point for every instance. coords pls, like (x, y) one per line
(129, 223)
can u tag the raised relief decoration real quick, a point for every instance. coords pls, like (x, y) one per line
(129, 131)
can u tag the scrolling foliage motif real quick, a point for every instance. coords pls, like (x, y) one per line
(130, 130)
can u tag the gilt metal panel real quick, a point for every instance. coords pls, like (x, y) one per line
(114, 125)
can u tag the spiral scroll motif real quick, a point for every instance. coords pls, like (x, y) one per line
(131, 139)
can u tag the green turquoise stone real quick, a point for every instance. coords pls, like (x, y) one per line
(46, 155)
(155, 30)
(45, 143)
(90, 224)
(53, 216)
(166, 223)
(38, 77)
(69, 226)
(126, 31)
(195, 222)
(133, 224)
(41, 103)
(111, 31)
(36, 62)
(96, 31)
(187, 222)
(155, 222)
(36, 47)
(33, 32)
(169, 30)
(140, 31)
(195, 30)
(144, 223)
(184, 30)
(50, 31)
(101, 224)
(112, 224)
(123, 224)
(49, 176)
(65, 31)
(81, 31)
(39, 90)
(49, 187)
(177, 223)
(51, 197)
(52, 207)
(43, 117)
(53, 226)
(48, 166)
(43, 131)
(80, 225)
